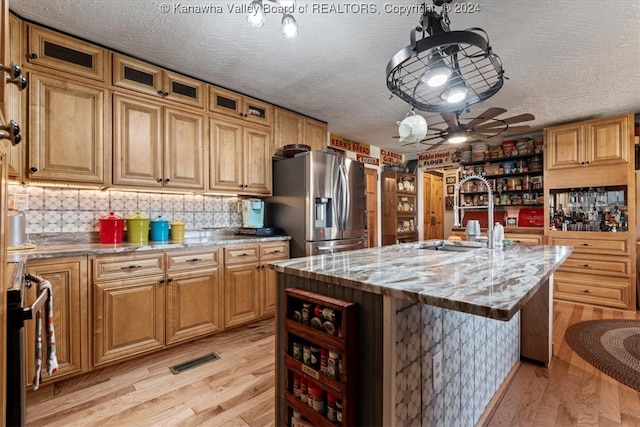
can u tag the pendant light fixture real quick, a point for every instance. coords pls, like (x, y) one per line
(257, 10)
(445, 70)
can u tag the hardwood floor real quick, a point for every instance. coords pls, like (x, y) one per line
(238, 389)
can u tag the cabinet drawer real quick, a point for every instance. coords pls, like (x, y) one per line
(616, 266)
(192, 260)
(278, 250)
(525, 239)
(124, 267)
(591, 289)
(241, 254)
(590, 245)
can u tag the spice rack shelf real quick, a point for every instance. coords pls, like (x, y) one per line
(316, 326)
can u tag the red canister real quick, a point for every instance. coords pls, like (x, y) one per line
(111, 228)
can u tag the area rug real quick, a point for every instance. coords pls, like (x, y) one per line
(612, 346)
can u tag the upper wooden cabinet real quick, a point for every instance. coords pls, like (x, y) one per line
(599, 142)
(240, 158)
(293, 128)
(69, 125)
(15, 102)
(171, 142)
(54, 50)
(233, 104)
(140, 76)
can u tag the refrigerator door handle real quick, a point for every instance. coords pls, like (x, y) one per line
(344, 193)
(347, 196)
(332, 248)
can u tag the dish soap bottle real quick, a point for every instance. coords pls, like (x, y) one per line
(498, 235)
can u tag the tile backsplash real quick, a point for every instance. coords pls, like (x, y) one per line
(62, 210)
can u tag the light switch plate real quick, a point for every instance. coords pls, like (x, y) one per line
(437, 371)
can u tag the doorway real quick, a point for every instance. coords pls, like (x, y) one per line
(371, 191)
(433, 226)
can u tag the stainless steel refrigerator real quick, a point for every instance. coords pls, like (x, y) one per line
(319, 200)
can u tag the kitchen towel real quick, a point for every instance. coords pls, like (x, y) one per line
(52, 362)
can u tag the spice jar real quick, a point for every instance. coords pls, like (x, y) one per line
(306, 312)
(303, 390)
(297, 350)
(306, 355)
(318, 399)
(331, 408)
(324, 356)
(296, 385)
(315, 356)
(333, 365)
(338, 412)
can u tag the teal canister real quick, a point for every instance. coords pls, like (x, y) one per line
(159, 229)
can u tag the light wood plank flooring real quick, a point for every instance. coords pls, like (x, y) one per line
(238, 389)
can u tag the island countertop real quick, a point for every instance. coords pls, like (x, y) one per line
(494, 283)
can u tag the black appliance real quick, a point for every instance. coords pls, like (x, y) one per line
(17, 313)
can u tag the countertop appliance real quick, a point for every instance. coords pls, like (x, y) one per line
(319, 200)
(252, 213)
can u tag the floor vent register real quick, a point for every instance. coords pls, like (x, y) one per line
(185, 366)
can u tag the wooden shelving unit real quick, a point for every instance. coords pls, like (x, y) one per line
(399, 208)
(343, 341)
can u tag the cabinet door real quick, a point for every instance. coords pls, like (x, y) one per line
(70, 55)
(183, 89)
(137, 75)
(184, 149)
(15, 101)
(225, 102)
(257, 161)
(128, 318)
(268, 277)
(137, 144)
(608, 141)
(257, 111)
(315, 134)
(289, 129)
(192, 305)
(241, 294)
(226, 156)
(564, 146)
(68, 278)
(67, 126)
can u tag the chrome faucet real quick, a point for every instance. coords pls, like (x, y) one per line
(456, 214)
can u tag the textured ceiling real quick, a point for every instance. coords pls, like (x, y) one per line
(566, 60)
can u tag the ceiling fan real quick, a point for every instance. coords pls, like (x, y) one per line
(484, 127)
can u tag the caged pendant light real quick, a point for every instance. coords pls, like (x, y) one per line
(445, 70)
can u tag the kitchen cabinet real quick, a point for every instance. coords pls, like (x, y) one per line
(15, 101)
(69, 137)
(240, 158)
(399, 208)
(239, 106)
(517, 236)
(170, 140)
(144, 302)
(68, 278)
(130, 73)
(52, 50)
(335, 336)
(598, 142)
(249, 287)
(293, 128)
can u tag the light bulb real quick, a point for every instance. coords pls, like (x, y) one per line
(289, 26)
(437, 72)
(256, 14)
(457, 139)
(455, 94)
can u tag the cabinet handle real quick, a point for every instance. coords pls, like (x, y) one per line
(587, 265)
(194, 260)
(586, 291)
(33, 169)
(130, 267)
(587, 244)
(277, 251)
(242, 254)
(33, 55)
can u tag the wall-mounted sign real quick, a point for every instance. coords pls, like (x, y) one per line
(350, 145)
(440, 159)
(368, 160)
(391, 158)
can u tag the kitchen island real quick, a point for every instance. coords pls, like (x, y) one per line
(478, 310)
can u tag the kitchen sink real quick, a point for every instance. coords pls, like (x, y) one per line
(449, 248)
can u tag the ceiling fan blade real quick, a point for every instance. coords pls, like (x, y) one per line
(437, 144)
(451, 119)
(486, 115)
(510, 120)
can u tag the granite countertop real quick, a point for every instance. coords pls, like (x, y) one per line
(79, 244)
(493, 283)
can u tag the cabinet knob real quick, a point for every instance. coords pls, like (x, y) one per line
(33, 169)
(33, 55)
(166, 180)
(20, 81)
(161, 282)
(11, 131)
(161, 93)
(12, 69)
(170, 280)
(159, 180)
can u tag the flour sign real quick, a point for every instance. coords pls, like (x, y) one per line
(342, 143)
(440, 159)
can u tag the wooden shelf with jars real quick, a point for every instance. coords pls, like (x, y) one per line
(320, 360)
(399, 208)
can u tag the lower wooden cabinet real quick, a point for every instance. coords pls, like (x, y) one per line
(68, 277)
